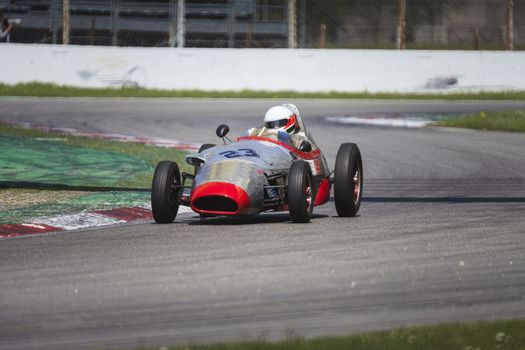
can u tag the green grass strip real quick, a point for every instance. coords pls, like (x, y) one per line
(500, 335)
(50, 161)
(35, 89)
(150, 154)
(494, 121)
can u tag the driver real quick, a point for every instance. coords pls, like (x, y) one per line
(281, 123)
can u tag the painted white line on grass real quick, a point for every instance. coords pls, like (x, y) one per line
(77, 221)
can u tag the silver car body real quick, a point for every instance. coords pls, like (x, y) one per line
(256, 165)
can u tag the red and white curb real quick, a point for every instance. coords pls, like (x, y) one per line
(83, 220)
(380, 120)
(160, 142)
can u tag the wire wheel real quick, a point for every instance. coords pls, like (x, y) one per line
(357, 184)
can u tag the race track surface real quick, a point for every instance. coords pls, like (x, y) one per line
(440, 237)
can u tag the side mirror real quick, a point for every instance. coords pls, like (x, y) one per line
(305, 147)
(222, 130)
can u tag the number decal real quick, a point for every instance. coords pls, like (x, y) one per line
(248, 152)
(242, 152)
(230, 154)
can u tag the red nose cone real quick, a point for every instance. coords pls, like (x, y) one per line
(219, 198)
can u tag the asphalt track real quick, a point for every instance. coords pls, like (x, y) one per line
(440, 237)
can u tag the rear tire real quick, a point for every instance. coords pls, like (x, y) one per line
(348, 180)
(300, 192)
(165, 192)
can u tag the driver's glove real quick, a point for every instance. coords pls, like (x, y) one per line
(285, 137)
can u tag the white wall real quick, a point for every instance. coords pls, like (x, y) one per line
(264, 69)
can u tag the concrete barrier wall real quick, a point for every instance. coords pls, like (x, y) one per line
(265, 69)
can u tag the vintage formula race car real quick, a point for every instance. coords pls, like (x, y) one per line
(256, 174)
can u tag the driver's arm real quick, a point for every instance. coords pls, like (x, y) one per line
(254, 132)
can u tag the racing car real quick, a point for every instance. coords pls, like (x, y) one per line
(255, 174)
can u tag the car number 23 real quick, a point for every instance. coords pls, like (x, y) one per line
(241, 152)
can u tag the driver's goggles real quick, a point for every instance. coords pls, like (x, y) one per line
(276, 124)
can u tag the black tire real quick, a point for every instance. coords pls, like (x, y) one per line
(348, 180)
(206, 146)
(300, 192)
(165, 192)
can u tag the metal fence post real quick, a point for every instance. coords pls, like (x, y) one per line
(114, 22)
(509, 26)
(53, 21)
(302, 10)
(65, 22)
(231, 25)
(292, 24)
(181, 25)
(92, 32)
(249, 31)
(322, 36)
(173, 24)
(401, 25)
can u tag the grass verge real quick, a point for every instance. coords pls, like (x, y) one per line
(35, 89)
(497, 335)
(494, 121)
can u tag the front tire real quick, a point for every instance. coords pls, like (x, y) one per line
(300, 192)
(348, 180)
(165, 192)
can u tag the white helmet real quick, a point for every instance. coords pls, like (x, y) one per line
(293, 108)
(281, 118)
